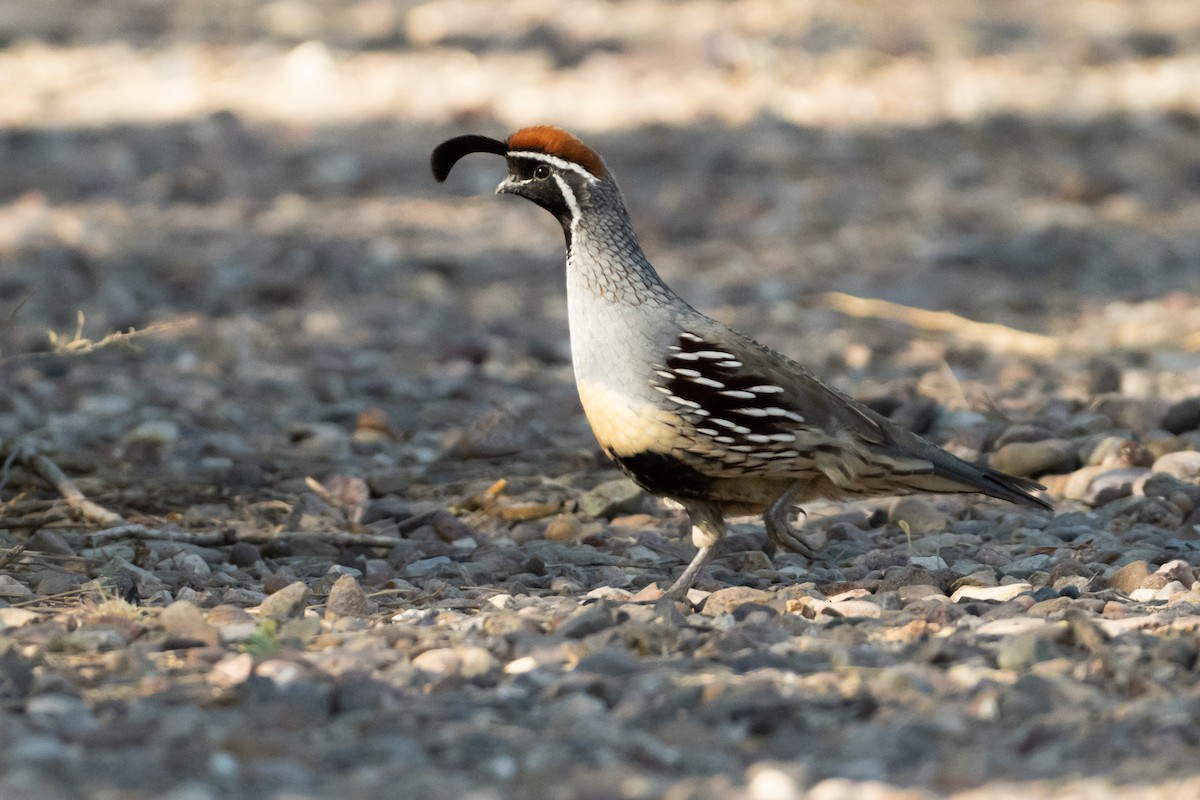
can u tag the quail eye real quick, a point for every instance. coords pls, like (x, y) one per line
(541, 172)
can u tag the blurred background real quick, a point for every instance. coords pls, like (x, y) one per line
(267, 317)
(254, 176)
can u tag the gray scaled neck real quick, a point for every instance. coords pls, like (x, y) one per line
(622, 316)
(605, 263)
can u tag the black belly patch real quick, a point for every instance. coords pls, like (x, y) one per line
(665, 476)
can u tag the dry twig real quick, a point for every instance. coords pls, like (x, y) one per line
(78, 343)
(31, 521)
(989, 334)
(8, 557)
(79, 506)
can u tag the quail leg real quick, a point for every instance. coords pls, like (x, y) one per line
(708, 529)
(778, 529)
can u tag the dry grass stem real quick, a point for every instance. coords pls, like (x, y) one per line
(993, 336)
(79, 506)
(8, 557)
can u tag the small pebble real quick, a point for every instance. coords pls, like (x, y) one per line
(156, 432)
(286, 602)
(244, 554)
(184, 621)
(1023, 650)
(1035, 458)
(465, 661)
(16, 617)
(612, 498)
(427, 566)
(13, 589)
(563, 528)
(347, 599)
(993, 593)
(1184, 465)
(450, 528)
(1182, 416)
(931, 563)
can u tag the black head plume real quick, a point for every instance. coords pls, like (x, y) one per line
(447, 154)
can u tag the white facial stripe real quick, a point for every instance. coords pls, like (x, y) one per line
(553, 161)
(568, 196)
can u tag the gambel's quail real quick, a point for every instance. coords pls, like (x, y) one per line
(689, 408)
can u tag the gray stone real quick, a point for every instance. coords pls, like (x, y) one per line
(244, 554)
(1116, 451)
(286, 603)
(854, 608)
(495, 433)
(1013, 626)
(16, 617)
(919, 591)
(1021, 651)
(162, 433)
(191, 564)
(612, 498)
(610, 661)
(347, 599)
(41, 749)
(1160, 484)
(389, 481)
(63, 714)
(13, 589)
(428, 566)
(47, 540)
(588, 620)
(1000, 593)
(239, 596)
(1182, 464)
(1028, 564)
(1113, 485)
(465, 661)
(320, 440)
(1079, 482)
(1183, 416)
(1035, 458)
(55, 583)
(1120, 515)
(1165, 592)
(16, 671)
(184, 620)
(1129, 577)
(311, 513)
(1178, 570)
(450, 528)
(931, 563)
(724, 601)
(1085, 424)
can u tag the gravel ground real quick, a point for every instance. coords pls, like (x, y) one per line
(351, 536)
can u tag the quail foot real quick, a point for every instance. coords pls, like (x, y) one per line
(687, 407)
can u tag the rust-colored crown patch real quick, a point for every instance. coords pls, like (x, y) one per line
(556, 142)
